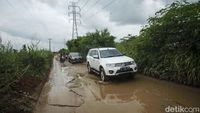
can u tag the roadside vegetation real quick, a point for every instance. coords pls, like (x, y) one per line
(20, 73)
(167, 48)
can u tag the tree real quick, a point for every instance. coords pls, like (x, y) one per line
(64, 51)
(91, 40)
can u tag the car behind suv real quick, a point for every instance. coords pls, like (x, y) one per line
(75, 57)
(110, 62)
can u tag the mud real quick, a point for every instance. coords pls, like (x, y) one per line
(71, 89)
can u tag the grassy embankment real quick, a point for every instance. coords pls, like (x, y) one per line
(20, 74)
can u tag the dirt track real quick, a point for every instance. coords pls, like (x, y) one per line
(71, 89)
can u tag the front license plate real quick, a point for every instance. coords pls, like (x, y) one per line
(124, 68)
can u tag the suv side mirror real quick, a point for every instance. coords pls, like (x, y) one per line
(95, 56)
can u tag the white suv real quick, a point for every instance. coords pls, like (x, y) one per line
(110, 62)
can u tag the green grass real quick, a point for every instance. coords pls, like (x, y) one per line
(14, 65)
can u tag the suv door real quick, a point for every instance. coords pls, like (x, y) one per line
(96, 61)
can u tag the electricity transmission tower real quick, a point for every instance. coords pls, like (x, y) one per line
(74, 12)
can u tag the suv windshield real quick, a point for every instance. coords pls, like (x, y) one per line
(110, 53)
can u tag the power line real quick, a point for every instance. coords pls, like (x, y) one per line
(85, 4)
(23, 5)
(95, 3)
(107, 5)
(111, 2)
(9, 4)
(74, 11)
(28, 12)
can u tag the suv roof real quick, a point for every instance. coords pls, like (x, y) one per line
(103, 48)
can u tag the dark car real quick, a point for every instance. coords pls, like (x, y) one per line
(75, 57)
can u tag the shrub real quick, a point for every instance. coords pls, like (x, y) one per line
(169, 46)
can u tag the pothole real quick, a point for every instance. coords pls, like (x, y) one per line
(65, 99)
(73, 85)
(79, 91)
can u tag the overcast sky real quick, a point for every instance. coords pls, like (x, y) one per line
(29, 21)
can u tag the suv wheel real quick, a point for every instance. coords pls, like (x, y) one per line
(89, 68)
(103, 75)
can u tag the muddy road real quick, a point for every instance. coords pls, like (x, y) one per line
(71, 89)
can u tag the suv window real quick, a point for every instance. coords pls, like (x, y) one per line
(95, 52)
(91, 53)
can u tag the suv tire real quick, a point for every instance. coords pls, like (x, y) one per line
(89, 68)
(103, 76)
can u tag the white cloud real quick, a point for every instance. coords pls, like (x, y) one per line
(26, 20)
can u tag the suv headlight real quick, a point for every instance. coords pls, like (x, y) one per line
(132, 62)
(110, 65)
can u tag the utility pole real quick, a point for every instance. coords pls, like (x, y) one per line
(64, 43)
(49, 44)
(74, 12)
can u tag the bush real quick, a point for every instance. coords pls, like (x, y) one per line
(169, 46)
(15, 65)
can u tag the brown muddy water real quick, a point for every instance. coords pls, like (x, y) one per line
(71, 89)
